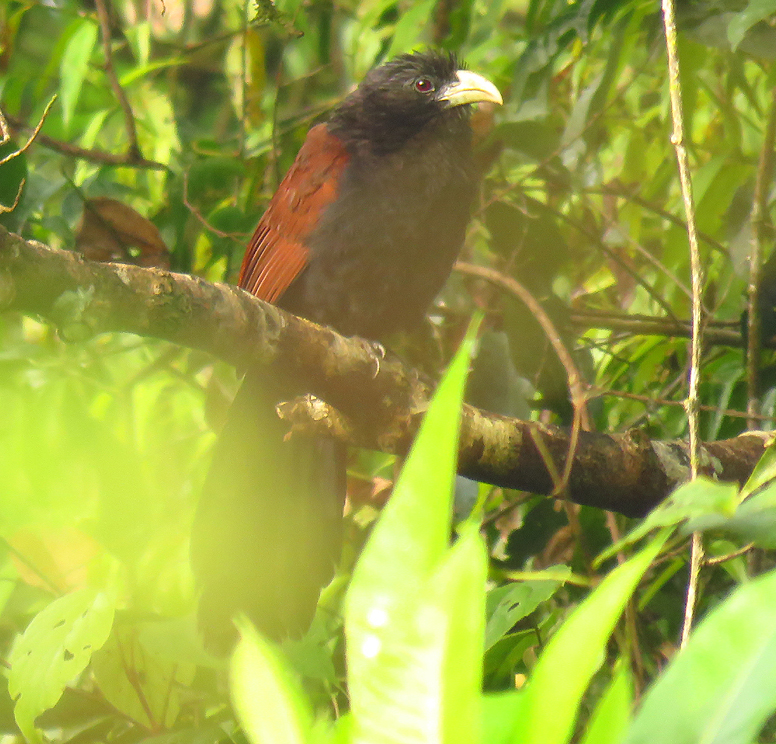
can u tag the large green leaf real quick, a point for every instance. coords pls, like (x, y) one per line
(612, 714)
(268, 701)
(163, 673)
(722, 687)
(576, 652)
(414, 529)
(415, 610)
(53, 650)
(411, 27)
(764, 472)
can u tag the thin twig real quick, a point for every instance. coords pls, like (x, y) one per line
(758, 221)
(717, 559)
(665, 402)
(91, 155)
(614, 188)
(34, 136)
(237, 237)
(131, 673)
(693, 401)
(722, 333)
(129, 118)
(595, 240)
(5, 136)
(575, 380)
(4, 209)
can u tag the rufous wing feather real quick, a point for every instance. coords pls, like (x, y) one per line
(277, 252)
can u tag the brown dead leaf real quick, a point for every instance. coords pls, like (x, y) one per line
(112, 231)
(373, 492)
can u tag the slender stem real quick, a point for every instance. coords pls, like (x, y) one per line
(129, 117)
(575, 379)
(692, 403)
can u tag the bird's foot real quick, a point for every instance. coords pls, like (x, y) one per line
(378, 350)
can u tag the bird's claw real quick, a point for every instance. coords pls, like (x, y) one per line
(379, 353)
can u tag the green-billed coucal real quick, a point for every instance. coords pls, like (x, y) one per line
(360, 235)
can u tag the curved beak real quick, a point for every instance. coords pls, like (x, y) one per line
(469, 88)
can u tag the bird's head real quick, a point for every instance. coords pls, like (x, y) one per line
(401, 98)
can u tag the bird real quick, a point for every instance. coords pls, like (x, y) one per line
(360, 235)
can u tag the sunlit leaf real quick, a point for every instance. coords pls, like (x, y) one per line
(611, 716)
(414, 611)
(54, 649)
(268, 701)
(567, 663)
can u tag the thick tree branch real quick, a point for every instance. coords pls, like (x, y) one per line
(380, 400)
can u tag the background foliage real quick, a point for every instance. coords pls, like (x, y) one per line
(104, 441)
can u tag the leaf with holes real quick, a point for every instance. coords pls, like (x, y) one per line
(53, 650)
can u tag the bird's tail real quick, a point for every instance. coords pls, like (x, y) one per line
(268, 529)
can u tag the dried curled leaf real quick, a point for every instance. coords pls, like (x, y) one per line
(112, 231)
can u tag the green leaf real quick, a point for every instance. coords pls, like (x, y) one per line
(755, 519)
(139, 38)
(512, 602)
(411, 27)
(501, 713)
(612, 715)
(269, 703)
(742, 21)
(73, 67)
(53, 650)
(341, 732)
(703, 502)
(459, 590)
(415, 610)
(576, 652)
(413, 532)
(137, 73)
(425, 681)
(141, 658)
(721, 688)
(763, 472)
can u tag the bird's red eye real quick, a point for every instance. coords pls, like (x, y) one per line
(424, 85)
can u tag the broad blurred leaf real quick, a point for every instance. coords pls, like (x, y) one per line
(411, 27)
(269, 703)
(575, 653)
(74, 65)
(755, 518)
(763, 472)
(741, 22)
(414, 611)
(147, 684)
(501, 714)
(721, 688)
(611, 716)
(703, 503)
(54, 649)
